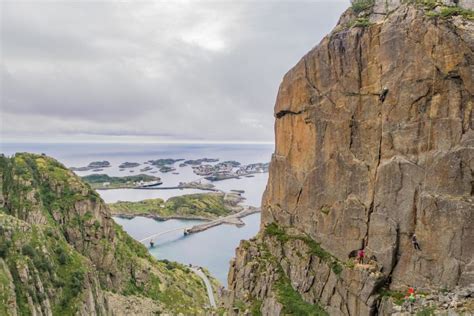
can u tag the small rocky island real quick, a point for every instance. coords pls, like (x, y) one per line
(126, 165)
(104, 182)
(94, 166)
(164, 165)
(166, 169)
(196, 162)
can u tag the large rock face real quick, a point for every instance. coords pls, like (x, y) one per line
(351, 171)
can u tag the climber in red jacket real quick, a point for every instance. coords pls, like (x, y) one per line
(360, 256)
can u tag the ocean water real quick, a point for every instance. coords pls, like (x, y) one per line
(213, 248)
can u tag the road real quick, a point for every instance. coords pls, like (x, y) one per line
(204, 277)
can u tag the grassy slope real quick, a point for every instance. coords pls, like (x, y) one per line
(207, 205)
(45, 232)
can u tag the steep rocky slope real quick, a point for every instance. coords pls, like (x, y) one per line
(355, 166)
(62, 254)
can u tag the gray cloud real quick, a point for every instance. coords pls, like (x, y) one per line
(157, 70)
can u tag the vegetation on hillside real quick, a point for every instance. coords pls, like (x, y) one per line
(362, 5)
(205, 205)
(315, 248)
(432, 8)
(436, 8)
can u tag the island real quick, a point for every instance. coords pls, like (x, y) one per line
(104, 182)
(197, 162)
(163, 162)
(204, 206)
(95, 165)
(129, 165)
(166, 169)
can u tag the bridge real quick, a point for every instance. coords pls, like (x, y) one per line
(233, 219)
(164, 233)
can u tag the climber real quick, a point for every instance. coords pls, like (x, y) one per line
(152, 244)
(383, 94)
(415, 243)
(411, 298)
(360, 256)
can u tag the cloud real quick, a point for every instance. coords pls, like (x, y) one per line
(156, 69)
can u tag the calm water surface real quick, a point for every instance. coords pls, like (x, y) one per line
(212, 248)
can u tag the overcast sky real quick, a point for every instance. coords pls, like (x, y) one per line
(151, 70)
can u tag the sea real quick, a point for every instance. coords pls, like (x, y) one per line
(212, 249)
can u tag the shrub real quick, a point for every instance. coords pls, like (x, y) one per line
(4, 246)
(447, 12)
(273, 230)
(28, 250)
(171, 266)
(360, 22)
(427, 311)
(398, 297)
(42, 264)
(77, 279)
(336, 267)
(362, 5)
(62, 258)
(293, 303)
(427, 4)
(350, 264)
(255, 308)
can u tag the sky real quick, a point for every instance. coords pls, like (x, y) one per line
(159, 71)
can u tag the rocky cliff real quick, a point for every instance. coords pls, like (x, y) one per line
(374, 143)
(62, 254)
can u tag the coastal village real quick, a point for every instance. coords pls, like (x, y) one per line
(229, 169)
